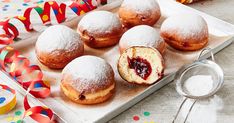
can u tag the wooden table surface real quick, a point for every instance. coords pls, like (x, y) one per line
(163, 104)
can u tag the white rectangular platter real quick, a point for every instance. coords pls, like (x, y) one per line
(221, 35)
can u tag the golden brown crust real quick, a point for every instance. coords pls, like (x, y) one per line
(88, 91)
(74, 96)
(59, 58)
(190, 43)
(130, 18)
(69, 80)
(100, 39)
(142, 83)
(78, 96)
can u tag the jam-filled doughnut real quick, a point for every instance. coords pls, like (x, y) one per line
(141, 65)
(142, 35)
(100, 29)
(58, 45)
(88, 80)
(139, 12)
(185, 32)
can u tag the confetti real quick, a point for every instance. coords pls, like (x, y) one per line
(146, 113)
(136, 118)
(18, 113)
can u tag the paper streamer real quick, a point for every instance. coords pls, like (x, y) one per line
(80, 7)
(18, 68)
(5, 104)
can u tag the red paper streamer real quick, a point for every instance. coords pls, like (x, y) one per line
(79, 8)
(18, 66)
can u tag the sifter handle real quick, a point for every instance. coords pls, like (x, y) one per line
(208, 49)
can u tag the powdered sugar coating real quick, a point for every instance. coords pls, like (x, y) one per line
(141, 5)
(142, 35)
(186, 26)
(99, 21)
(90, 71)
(58, 37)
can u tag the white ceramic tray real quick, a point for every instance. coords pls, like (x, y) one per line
(221, 35)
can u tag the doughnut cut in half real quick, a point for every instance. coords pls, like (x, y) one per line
(141, 65)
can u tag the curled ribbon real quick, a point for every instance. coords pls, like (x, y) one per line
(80, 7)
(18, 68)
(9, 105)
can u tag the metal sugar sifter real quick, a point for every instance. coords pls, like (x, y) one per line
(199, 67)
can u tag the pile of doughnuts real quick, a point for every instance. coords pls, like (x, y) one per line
(90, 79)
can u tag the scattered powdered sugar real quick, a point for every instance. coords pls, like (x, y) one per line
(141, 5)
(204, 111)
(89, 69)
(58, 37)
(142, 35)
(186, 25)
(99, 21)
(199, 85)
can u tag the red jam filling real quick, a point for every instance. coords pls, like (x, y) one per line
(141, 66)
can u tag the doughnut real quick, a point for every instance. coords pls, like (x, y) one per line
(185, 32)
(139, 12)
(100, 29)
(141, 65)
(142, 35)
(88, 80)
(57, 46)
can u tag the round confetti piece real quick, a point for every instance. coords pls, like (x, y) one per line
(25, 4)
(16, 118)
(8, 119)
(136, 118)
(45, 17)
(18, 113)
(4, 9)
(6, 5)
(20, 121)
(146, 113)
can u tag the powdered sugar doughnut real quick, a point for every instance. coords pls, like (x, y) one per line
(185, 32)
(100, 29)
(58, 45)
(142, 35)
(139, 12)
(88, 80)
